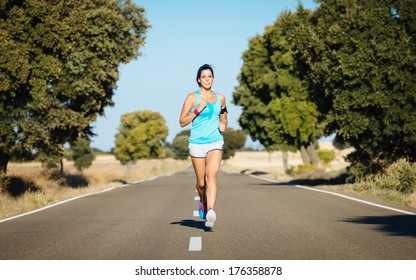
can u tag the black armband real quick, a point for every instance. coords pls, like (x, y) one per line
(224, 110)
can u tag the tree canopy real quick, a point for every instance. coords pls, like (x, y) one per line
(140, 136)
(82, 154)
(348, 68)
(361, 60)
(59, 64)
(276, 108)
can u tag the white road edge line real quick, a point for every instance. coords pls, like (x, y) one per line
(77, 197)
(196, 213)
(55, 204)
(196, 198)
(195, 244)
(340, 195)
(133, 183)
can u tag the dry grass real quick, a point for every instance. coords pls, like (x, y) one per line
(327, 176)
(34, 188)
(270, 165)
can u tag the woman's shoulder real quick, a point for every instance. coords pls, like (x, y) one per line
(191, 99)
(191, 95)
(222, 97)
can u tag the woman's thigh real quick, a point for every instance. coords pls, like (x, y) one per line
(199, 167)
(213, 162)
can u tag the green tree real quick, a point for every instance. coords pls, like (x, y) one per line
(180, 144)
(275, 100)
(140, 136)
(361, 57)
(180, 147)
(82, 154)
(58, 69)
(185, 132)
(233, 141)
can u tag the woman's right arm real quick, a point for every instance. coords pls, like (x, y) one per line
(186, 118)
(190, 101)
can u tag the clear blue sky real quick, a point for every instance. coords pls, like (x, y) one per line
(185, 34)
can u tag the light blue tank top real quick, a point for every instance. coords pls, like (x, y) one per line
(205, 126)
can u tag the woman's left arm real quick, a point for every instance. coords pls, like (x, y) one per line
(223, 115)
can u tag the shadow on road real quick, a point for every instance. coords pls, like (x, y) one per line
(308, 179)
(193, 224)
(403, 225)
(338, 180)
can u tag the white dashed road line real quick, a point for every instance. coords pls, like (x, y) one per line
(195, 243)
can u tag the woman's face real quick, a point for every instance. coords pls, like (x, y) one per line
(206, 79)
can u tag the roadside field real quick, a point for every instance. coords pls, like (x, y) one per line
(34, 187)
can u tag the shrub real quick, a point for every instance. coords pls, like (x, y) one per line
(365, 183)
(399, 176)
(326, 155)
(301, 169)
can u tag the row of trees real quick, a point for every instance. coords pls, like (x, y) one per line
(59, 65)
(347, 68)
(142, 135)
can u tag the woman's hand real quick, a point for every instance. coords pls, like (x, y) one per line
(201, 105)
(222, 127)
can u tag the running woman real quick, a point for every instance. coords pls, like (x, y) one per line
(207, 111)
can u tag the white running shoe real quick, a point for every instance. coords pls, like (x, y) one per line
(211, 217)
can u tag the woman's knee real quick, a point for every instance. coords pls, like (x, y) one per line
(211, 178)
(200, 184)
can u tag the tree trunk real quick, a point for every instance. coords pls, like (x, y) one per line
(304, 155)
(313, 154)
(62, 168)
(4, 161)
(285, 160)
(129, 166)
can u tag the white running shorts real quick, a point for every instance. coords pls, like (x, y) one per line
(201, 150)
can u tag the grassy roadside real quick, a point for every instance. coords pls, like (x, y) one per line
(328, 176)
(30, 187)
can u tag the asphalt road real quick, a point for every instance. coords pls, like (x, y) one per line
(256, 219)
